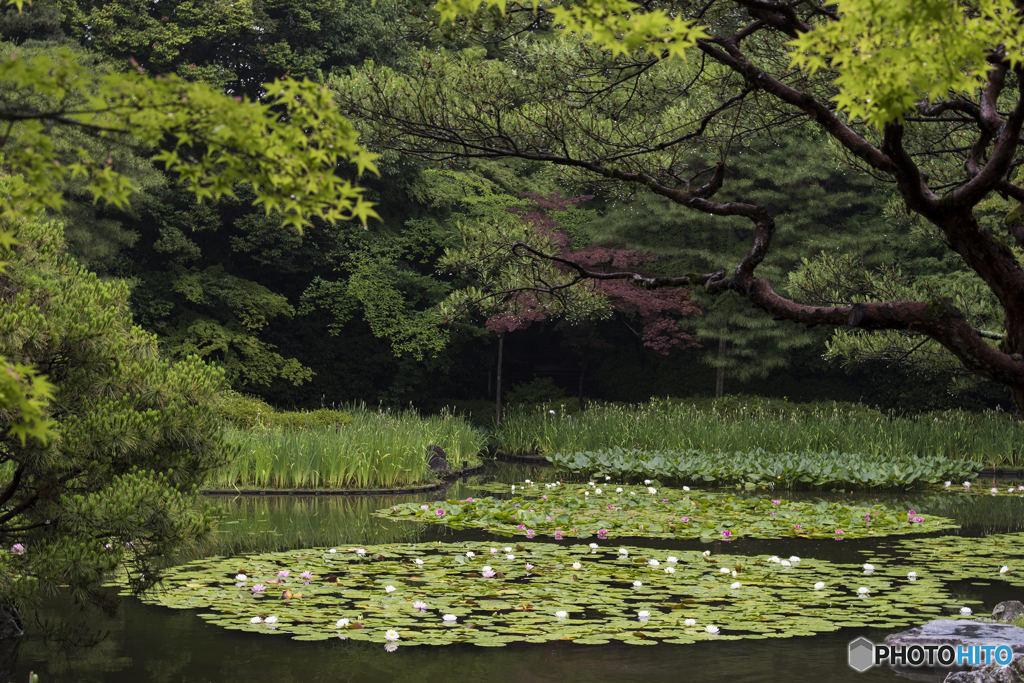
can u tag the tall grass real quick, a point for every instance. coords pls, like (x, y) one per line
(989, 438)
(379, 449)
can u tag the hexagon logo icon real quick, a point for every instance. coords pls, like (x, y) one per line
(862, 654)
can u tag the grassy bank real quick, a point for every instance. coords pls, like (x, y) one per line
(773, 426)
(372, 449)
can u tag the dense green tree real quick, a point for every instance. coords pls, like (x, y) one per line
(895, 88)
(111, 483)
(232, 46)
(134, 434)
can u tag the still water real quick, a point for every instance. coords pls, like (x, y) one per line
(149, 643)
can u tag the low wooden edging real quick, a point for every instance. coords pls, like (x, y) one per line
(340, 492)
(522, 457)
(1000, 472)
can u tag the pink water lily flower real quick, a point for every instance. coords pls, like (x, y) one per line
(283, 572)
(259, 588)
(440, 512)
(726, 533)
(306, 575)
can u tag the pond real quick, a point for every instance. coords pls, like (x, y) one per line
(152, 643)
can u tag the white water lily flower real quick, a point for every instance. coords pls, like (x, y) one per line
(637, 584)
(967, 484)
(647, 482)
(389, 589)
(707, 553)
(577, 565)
(485, 569)
(671, 559)
(607, 478)
(390, 647)
(794, 559)
(818, 586)
(332, 550)
(586, 493)
(510, 557)
(643, 614)
(391, 635)
(734, 573)
(590, 483)
(527, 481)
(948, 484)
(1004, 569)
(711, 628)
(686, 488)
(623, 552)
(670, 570)
(450, 618)
(785, 563)
(863, 590)
(736, 585)
(561, 614)
(689, 622)
(618, 490)
(653, 563)
(342, 623)
(470, 553)
(418, 561)
(966, 611)
(994, 490)
(593, 545)
(255, 620)
(724, 570)
(912, 575)
(598, 491)
(508, 549)
(271, 620)
(774, 558)
(360, 552)
(651, 490)
(869, 567)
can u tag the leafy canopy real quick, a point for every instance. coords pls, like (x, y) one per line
(289, 147)
(888, 54)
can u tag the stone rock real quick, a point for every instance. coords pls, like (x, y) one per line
(960, 632)
(438, 461)
(993, 673)
(1007, 611)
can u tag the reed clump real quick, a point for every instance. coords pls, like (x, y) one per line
(991, 438)
(373, 449)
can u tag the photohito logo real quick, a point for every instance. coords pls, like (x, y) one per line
(864, 654)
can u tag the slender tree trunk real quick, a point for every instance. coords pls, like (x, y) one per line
(583, 369)
(720, 379)
(497, 384)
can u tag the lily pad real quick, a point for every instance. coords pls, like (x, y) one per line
(611, 511)
(500, 594)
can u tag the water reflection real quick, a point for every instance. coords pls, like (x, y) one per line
(149, 643)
